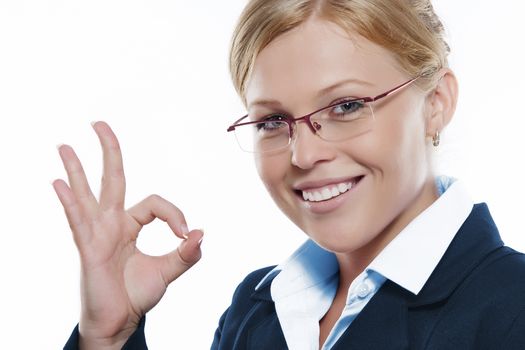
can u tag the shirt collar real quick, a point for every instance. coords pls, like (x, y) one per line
(407, 260)
(411, 257)
(307, 266)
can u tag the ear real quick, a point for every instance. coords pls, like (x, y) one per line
(442, 102)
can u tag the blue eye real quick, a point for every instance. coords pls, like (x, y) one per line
(272, 122)
(346, 109)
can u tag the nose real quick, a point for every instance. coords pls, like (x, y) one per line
(308, 149)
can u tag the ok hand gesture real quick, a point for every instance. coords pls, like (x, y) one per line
(119, 283)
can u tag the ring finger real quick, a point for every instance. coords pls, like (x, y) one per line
(77, 179)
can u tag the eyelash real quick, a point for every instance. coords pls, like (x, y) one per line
(334, 104)
(262, 121)
(353, 101)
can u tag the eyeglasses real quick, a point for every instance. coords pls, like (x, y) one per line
(336, 122)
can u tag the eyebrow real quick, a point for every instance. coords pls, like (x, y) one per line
(337, 85)
(320, 93)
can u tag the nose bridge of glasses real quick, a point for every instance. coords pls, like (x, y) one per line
(313, 126)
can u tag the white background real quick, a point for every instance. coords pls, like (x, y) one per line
(157, 72)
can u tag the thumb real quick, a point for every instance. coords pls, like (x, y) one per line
(183, 258)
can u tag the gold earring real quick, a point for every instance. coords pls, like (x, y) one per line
(436, 139)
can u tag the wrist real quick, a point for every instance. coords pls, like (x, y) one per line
(86, 343)
(93, 340)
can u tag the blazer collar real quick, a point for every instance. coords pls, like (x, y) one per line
(477, 237)
(264, 293)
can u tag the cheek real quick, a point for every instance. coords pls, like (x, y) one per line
(395, 154)
(272, 171)
(405, 166)
(400, 139)
(412, 152)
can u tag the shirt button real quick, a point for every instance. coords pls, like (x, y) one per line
(363, 290)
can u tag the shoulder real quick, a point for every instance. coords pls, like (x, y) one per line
(506, 264)
(491, 299)
(243, 305)
(499, 277)
(245, 295)
(248, 308)
(513, 259)
(506, 275)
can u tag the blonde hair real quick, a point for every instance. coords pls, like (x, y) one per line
(409, 29)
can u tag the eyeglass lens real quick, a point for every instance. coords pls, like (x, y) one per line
(336, 123)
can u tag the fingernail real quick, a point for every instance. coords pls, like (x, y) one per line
(59, 145)
(93, 123)
(184, 230)
(200, 241)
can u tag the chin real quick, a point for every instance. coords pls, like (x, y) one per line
(338, 247)
(337, 240)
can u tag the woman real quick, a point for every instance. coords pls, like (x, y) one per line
(346, 101)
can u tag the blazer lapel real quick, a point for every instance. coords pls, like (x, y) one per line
(262, 329)
(382, 324)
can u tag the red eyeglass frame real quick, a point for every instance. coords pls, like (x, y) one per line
(306, 118)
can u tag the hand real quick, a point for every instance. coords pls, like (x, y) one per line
(119, 284)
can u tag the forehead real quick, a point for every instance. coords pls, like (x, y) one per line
(313, 56)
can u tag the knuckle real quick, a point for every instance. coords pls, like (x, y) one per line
(154, 198)
(85, 195)
(74, 215)
(117, 172)
(112, 179)
(75, 169)
(180, 259)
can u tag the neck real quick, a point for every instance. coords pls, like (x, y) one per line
(351, 264)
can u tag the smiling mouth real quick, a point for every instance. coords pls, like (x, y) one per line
(328, 192)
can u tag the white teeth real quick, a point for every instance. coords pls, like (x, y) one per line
(327, 192)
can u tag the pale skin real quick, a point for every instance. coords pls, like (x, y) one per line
(395, 158)
(119, 283)
(295, 78)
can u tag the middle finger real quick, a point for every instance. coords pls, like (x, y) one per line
(113, 186)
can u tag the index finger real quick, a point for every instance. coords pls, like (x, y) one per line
(157, 207)
(113, 185)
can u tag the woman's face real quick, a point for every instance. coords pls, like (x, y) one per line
(388, 167)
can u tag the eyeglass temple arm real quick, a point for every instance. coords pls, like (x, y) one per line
(394, 90)
(232, 127)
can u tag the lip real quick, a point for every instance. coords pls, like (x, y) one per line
(331, 204)
(312, 185)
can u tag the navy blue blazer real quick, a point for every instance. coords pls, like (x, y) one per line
(474, 299)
